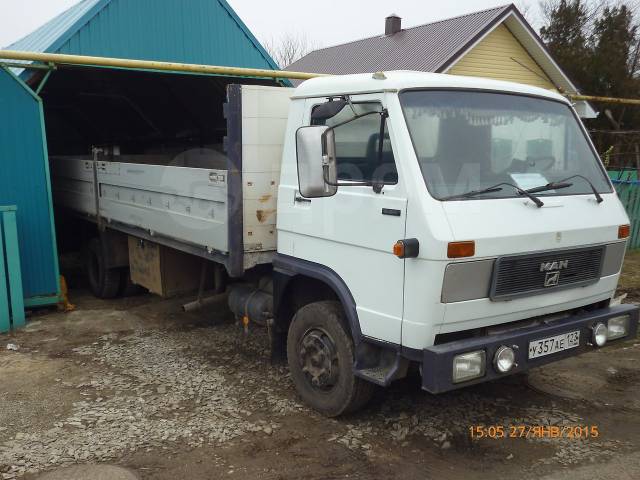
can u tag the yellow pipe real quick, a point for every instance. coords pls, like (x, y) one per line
(593, 98)
(81, 60)
(61, 59)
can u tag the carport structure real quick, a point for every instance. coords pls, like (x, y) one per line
(48, 111)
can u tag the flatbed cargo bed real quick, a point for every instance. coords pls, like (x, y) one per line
(226, 214)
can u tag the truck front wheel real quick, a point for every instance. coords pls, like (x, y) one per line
(320, 353)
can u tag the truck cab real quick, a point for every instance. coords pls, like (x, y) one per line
(461, 224)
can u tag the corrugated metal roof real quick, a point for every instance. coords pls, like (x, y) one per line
(59, 28)
(424, 48)
(203, 31)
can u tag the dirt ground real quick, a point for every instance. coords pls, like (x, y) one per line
(137, 383)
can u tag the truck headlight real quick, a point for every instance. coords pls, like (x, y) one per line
(618, 327)
(504, 359)
(468, 366)
(599, 334)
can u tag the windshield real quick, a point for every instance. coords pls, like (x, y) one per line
(468, 141)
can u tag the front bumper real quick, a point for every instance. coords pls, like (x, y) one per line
(437, 367)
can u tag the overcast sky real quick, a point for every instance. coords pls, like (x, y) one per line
(325, 23)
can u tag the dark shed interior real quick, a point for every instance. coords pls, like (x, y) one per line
(139, 112)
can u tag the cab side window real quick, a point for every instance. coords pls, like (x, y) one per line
(357, 146)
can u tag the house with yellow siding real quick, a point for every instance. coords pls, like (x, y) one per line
(495, 43)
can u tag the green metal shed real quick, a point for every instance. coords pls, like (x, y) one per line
(198, 31)
(24, 181)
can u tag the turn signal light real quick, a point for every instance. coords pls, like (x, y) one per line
(407, 248)
(623, 231)
(461, 249)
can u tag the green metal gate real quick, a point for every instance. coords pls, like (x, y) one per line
(11, 301)
(24, 182)
(628, 188)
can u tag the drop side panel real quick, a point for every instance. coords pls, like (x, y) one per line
(264, 121)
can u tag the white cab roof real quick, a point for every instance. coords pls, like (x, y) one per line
(404, 79)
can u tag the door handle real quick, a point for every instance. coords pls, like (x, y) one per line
(394, 212)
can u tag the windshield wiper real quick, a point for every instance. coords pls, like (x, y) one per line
(593, 188)
(526, 193)
(497, 188)
(473, 193)
(549, 186)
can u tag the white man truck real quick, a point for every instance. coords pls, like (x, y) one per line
(375, 221)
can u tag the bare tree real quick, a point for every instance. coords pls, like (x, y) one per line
(289, 47)
(526, 11)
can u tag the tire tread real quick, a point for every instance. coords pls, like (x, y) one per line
(362, 390)
(107, 283)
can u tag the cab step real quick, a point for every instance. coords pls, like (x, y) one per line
(382, 366)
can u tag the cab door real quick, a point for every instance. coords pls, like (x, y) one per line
(353, 232)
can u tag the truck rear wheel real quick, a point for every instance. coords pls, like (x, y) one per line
(104, 282)
(320, 354)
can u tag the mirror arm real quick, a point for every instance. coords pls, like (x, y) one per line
(351, 120)
(348, 99)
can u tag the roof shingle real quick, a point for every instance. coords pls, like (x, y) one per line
(434, 45)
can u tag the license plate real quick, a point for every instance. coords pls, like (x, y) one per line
(548, 346)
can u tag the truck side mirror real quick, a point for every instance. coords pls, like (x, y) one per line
(315, 151)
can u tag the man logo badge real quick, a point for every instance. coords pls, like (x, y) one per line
(555, 265)
(551, 279)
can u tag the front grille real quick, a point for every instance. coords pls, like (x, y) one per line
(521, 275)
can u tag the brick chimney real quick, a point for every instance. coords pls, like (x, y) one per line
(392, 24)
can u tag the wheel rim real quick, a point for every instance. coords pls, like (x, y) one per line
(318, 359)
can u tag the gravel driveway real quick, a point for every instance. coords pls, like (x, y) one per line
(138, 383)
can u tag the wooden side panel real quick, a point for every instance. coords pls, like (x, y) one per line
(500, 56)
(164, 271)
(180, 272)
(264, 120)
(144, 264)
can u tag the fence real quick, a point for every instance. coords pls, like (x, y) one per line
(11, 299)
(628, 188)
